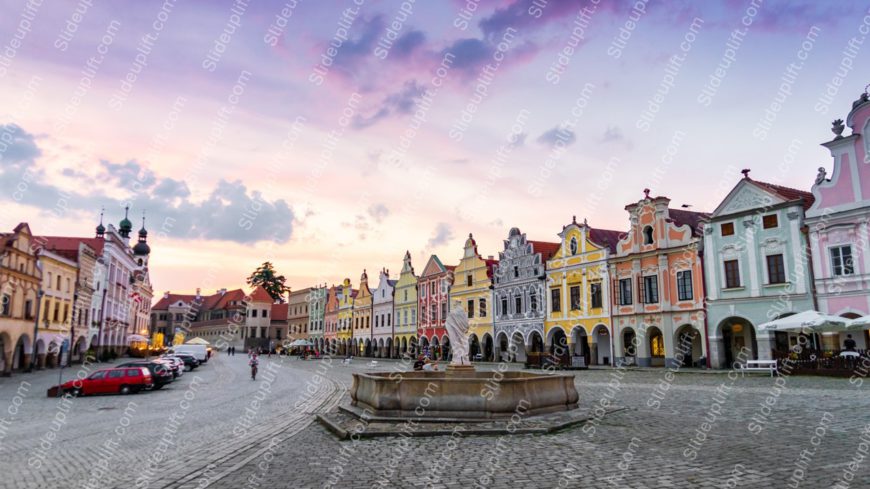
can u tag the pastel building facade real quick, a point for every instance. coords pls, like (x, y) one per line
(362, 318)
(344, 333)
(433, 298)
(316, 315)
(298, 314)
(330, 320)
(756, 267)
(20, 280)
(405, 305)
(839, 224)
(472, 290)
(578, 294)
(58, 286)
(382, 316)
(519, 298)
(658, 289)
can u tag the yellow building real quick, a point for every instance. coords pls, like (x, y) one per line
(578, 301)
(56, 307)
(405, 309)
(362, 318)
(472, 288)
(345, 317)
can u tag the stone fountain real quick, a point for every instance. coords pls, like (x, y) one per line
(459, 395)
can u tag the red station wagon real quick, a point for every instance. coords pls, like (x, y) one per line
(125, 380)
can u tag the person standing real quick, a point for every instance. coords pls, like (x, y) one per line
(849, 344)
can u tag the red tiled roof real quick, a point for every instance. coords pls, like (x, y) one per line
(545, 248)
(66, 244)
(280, 312)
(605, 237)
(165, 301)
(688, 218)
(787, 193)
(232, 295)
(260, 295)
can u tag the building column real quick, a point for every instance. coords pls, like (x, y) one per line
(593, 350)
(765, 343)
(717, 351)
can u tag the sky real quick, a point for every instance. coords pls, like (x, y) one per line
(329, 137)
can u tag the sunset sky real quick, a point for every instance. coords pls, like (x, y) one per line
(268, 144)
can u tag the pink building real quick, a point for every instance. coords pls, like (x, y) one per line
(838, 223)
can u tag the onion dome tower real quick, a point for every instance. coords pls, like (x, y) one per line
(125, 227)
(141, 248)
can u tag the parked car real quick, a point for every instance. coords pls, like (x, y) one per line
(122, 380)
(200, 352)
(190, 362)
(175, 364)
(161, 373)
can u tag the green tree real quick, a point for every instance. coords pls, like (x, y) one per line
(273, 283)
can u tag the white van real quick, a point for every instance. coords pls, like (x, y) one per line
(200, 352)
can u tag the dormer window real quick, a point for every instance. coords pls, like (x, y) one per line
(648, 235)
(573, 246)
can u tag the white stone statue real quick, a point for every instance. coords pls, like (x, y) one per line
(457, 330)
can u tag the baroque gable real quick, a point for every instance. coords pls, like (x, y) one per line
(746, 197)
(433, 267)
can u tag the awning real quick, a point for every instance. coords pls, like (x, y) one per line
(807, 321)
(301, 342)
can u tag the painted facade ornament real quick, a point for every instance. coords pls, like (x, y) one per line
(837, 128)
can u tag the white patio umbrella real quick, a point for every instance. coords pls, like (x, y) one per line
(196, 341)
(860, 323)
(301, 342)
(136, 337)
(812, 321)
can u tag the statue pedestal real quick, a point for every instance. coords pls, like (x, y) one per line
(460, 369)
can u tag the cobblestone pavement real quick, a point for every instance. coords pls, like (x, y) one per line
(194, 430)
(690, 430)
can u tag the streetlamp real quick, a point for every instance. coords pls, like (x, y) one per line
(39, 294)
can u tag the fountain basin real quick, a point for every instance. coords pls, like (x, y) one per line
(463, 394)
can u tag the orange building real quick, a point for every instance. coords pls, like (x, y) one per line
(657, 287)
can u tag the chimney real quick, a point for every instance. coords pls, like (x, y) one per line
(166, 295)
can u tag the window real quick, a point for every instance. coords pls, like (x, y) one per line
(727, 229)
(134, 372)
(406, 295)
(97, 375)
(116, 374)
(518, 304)
(595, 290)
(573, 246)
(444, 286)
(482, 311)
(376, 321)
(58, 283)
(423, 291)
(49, 281)
(516, 272)
(443, 310)
(265, 313)
(423, 316)
(684, 285)
(253, 313)
(468, 279)
(555, 299)
(732, 274)
(504, 306)
(841, 260)
(57, 313)
(625, 292)
(433, 313)
(65, 312)
(389, 319)
(6, 308)
(470, 308)
(651, 289)
(28, 309)
(769, 221)
(413, 316)
(775, 269)
(648, 235)
(432, 288)
(575, 298)
(533, 300)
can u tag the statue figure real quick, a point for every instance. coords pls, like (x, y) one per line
(821, 176)
(457, 330)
